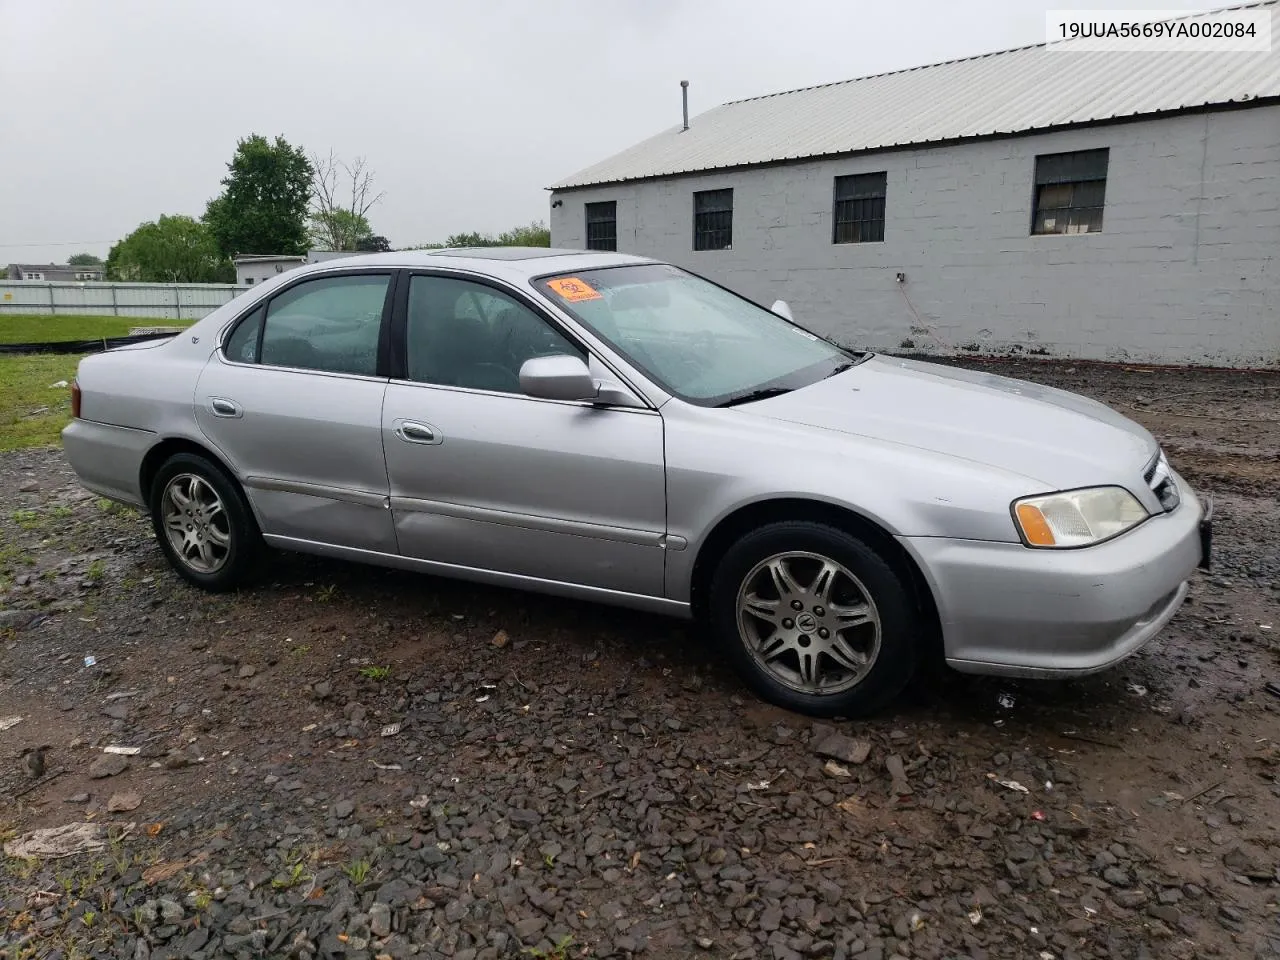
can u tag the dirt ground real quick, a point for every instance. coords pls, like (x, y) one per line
(573, 781)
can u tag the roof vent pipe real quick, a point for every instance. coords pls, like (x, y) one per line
(684, 95)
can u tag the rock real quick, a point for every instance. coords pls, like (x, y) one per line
(500, 639)
(836, 771)
(380, 920)
(247, 671)
(322, 689)
(899, 787)
(1116, 877)
(1130, 899)
(31, 486)
(108, 765)
(171, 911)
(116, 711)
(343, 809)
(529, 927)
(124, 801)
(837, 746)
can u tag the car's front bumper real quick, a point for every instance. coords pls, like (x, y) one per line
(1015, 611)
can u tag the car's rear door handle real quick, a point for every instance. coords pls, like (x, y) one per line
(222, 407)
(411, 431)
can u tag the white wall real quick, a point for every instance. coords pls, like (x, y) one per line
(255, 272)
(1184, 269)
(169, 301)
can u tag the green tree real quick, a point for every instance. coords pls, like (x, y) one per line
(263, 205)
(84, 260)
(536, 234)
(175, 249)
(341, 195)
(339, 229)
(374, 243)
(472, 239)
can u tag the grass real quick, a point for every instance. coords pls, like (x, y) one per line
(358, 872)
(34, 328)
(375, 673)
(32, 413)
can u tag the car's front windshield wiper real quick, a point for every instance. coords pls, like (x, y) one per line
(760, 394)
(842, 367)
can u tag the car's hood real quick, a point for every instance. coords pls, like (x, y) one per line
(1059, 439)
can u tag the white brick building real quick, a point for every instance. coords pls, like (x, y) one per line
(1116, 206)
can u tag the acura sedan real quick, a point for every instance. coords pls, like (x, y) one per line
(617, 429)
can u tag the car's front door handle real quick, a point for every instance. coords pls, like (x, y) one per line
(411, 431)
(222, 407)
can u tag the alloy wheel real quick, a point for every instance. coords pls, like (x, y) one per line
(809, 622)
(196, 523)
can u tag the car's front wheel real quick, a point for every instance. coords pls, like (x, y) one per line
(202, 522)
(814, 619)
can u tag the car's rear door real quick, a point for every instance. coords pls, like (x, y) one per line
(293, 400)
(483, 476)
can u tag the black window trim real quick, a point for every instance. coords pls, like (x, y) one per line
(264, 303)
(694, 212)
(398, 335)
(587, 221)
(836, 201)
(1036, 185)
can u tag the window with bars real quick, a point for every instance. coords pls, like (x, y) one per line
(602, 225)
(1070, 191)
(713, 219)
(859, 208)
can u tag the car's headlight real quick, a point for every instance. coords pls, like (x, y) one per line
(1077, 518)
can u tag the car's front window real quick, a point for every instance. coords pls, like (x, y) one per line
(696, 340)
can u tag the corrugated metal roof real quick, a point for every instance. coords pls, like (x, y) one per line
(1013, 91)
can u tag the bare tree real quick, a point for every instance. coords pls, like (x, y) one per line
(341, 196)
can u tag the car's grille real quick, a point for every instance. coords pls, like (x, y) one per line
(1160, 480)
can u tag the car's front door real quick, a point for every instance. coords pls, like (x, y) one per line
(484, 476)
(293, 400)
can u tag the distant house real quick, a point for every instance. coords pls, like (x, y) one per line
(259, 268)
(54, 271)
(320, 256)
(1116, 204)
(251, 269)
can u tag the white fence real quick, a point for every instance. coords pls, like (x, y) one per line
(170, 301)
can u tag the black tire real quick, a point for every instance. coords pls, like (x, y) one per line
(239, 557)
(900, 624)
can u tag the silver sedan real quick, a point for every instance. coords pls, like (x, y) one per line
(616, 429)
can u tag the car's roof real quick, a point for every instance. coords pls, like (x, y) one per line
(515, 263)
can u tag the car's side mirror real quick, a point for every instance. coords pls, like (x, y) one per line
(558, 377)
(781, 309)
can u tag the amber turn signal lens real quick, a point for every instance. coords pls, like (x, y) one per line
(1034, 526)
(75, 399)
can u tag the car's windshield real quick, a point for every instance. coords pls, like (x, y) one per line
(696, 340)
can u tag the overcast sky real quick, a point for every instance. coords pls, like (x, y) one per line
(114, 113)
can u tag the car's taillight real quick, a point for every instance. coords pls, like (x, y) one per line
(75, 399)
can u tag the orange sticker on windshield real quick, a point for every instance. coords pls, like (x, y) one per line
(573, 289)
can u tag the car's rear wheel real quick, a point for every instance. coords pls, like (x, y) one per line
(814, 619)
(202, 522)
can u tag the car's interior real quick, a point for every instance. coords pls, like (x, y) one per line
(465, 334)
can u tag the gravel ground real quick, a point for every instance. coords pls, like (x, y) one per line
(348, 762)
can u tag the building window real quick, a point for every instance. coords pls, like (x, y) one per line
(34, 276)
(859, 208)
(248, 281)
(713, 220)
(602, 225)
(1070, 190)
